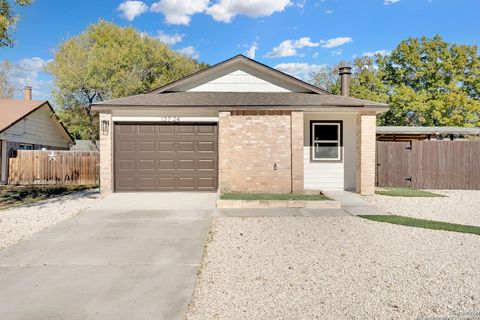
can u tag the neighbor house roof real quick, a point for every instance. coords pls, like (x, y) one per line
(427, 130)
(12, 111)
(234, 99)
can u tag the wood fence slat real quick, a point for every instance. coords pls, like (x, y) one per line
(69, 168)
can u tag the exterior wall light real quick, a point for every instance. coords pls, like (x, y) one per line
(105, 126)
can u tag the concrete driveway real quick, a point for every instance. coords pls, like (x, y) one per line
(133, 256)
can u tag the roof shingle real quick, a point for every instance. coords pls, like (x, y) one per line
(238, 99)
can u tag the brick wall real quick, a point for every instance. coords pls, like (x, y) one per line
(106, 159)
(366, 144)
(251, 143)
(297, 152)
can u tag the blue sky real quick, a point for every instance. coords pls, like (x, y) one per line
(295, 36)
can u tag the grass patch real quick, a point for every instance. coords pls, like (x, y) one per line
(12, 196)
(421, 223)
(273, 196)
(407, 192)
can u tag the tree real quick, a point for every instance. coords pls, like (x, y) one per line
(432, 83)
(365, 82)
(426, 82)
(7, 89)
(107, 62)
(8, 20)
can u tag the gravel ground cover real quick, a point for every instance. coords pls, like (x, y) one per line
(20, 222)
(460, 206)
(335, 268)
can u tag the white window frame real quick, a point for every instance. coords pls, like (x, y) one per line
(338, 141)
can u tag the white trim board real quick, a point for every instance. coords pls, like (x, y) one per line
(164, 119)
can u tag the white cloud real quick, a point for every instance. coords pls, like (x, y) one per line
(335, 42)
(301, 4)
(190, 52)
(336, 52)
(30, 71)
(329, 11)
(380, 52)
(131, 9)
(252, 50)
(300, 70)
(179, 11)
(387, 2)
(226, 10)
(169, 39)
(290, 48)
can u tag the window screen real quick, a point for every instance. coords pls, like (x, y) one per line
(326, 140)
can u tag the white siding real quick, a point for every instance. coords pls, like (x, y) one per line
(238, 81)
(331, 175)
(40, 127)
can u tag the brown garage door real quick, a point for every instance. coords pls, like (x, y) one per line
(165, 157)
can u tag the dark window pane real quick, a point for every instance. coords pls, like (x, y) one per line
(325, 150)
(326, 132)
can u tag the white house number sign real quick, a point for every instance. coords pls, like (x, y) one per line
(169, 118)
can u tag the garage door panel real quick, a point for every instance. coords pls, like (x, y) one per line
(206, 146)
(146, 182)
(206, 183)
(186, 164)
(166, 182)
(207, 164)
(127, 128)
(146, 165)
(165, 157)
(146, 147)
(186, 146)
(147, 129)
(167, 130)
(168, 164)
(166, 146)
(186, 183)
(126, 147)
(186, 129)
(126, 164)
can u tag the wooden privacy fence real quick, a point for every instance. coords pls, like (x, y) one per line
(429, 164)
(54, 167)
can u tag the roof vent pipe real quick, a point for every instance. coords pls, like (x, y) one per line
(28, 93)
(345, 77)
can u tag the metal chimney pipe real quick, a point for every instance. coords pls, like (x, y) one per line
(28, 93)
(345, 77)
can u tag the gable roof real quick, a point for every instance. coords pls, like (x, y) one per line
(12, 111)
(239, 60)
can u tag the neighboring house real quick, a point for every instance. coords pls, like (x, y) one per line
(239, 126)
(85, 145)
(399, 133)
(29, 125)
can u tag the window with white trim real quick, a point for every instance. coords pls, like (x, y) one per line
(326, 140)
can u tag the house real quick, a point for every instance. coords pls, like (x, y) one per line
(29, 125)
(238, 126)
(404, 133)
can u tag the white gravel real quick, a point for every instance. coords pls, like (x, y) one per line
(460, 206)
(334, 268)
(20, 222)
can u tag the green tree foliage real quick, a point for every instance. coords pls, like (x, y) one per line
(426, 82)
(8, 20)
(107, 62)
(7, 89)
